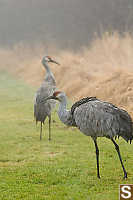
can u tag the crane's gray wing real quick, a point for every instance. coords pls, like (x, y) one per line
(80, 102)
(43, 109)
(43, 92)
(97, 118)
(77, 104)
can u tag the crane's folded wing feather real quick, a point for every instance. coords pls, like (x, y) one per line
(42, 109)
(98, 118)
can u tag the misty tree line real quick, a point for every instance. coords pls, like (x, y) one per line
(67, 23)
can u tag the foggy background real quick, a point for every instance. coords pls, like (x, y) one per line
(69, 24)
(91, 39)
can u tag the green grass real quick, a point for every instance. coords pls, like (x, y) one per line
(62, 169)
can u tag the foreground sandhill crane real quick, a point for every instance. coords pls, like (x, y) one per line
(96, 118)
(42, 110)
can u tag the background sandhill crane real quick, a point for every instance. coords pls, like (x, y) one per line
(43, 110)
(96, 118)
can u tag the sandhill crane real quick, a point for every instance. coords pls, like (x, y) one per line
(42, 110)
(96, 118)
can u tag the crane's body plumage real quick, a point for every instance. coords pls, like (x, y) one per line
(102, 119)
(42, 110)
(96, 118)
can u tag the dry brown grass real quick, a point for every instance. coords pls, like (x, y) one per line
(105, 69)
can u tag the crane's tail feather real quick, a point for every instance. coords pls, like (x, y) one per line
(128, 139)
(125, 137)
(128, 133)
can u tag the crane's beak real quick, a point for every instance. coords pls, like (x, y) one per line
(48, 98)
(53, 61)
(51, 97)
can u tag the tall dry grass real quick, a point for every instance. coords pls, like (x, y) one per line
(104, 69)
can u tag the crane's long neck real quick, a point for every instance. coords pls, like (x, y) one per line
(48, 71)
(63, 113)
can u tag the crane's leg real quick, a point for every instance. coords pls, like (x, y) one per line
(97, 157)
(41, 132)
(118, 151)
(49, 127)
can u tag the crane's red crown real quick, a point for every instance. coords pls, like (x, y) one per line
(56, 93)
(48, 57)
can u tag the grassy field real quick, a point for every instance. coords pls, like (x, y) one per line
(62, 169)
